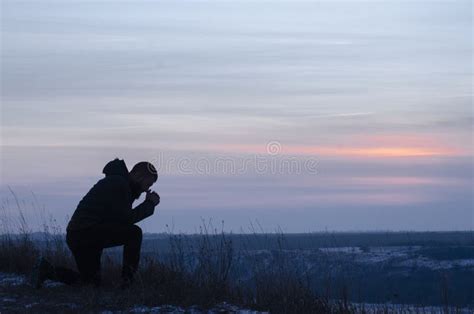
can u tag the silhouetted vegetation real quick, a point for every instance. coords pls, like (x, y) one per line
(206, 269)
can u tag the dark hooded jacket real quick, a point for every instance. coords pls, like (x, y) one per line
(110, 200)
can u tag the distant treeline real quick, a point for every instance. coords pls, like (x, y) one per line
(290, 241)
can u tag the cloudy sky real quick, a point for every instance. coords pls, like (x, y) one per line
(308, 116)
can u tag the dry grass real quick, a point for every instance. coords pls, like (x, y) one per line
(197, 273)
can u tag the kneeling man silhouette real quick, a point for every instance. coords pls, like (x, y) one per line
(105, 218)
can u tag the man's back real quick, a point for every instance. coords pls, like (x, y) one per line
(95, 206)
(110, 200)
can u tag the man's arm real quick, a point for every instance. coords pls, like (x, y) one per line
(140, 212)
(121, 205)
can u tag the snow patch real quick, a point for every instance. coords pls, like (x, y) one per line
(7, 279)
(171, 309)
(347, 250)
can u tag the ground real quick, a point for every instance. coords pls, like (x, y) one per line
(16, 296)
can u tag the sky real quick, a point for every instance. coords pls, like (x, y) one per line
(294, 115)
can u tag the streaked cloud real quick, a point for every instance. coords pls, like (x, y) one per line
(380, 94)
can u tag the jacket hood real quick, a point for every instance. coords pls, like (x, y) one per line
(116, 167)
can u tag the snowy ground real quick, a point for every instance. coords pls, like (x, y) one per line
(406, 308)
(16, 296)
(404, 256)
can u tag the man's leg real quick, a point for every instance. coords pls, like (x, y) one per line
(131, 253)
(87, 252)
(88, 264)
(64, 275)
(130, 236)
(45, 270)
(87, 248)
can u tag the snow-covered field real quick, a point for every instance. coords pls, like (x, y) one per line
(402, 256)
(15, 299)
(10, 300)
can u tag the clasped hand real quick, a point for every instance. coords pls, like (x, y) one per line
(152, 196)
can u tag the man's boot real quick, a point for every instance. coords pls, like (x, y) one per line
(41, 271)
